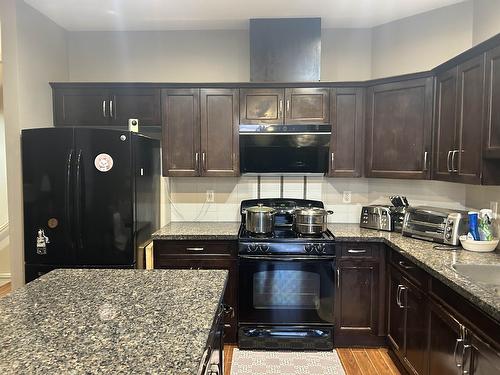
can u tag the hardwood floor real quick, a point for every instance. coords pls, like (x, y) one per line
(4, 289)
(355, 361)
(358, 361)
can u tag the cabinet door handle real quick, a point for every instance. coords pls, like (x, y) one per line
(405, 266)
(288, 105)
(104, 108)
(338, 278)
(425, 161)
(398, 291)
(204, 161)
(111, 108)
(195, 248)
(353, 251)
(448, 159)
(332, 161)
(453, 161)
(457, 342)
(401, 290)
(196, 160)
(281, 108)
(465, 347)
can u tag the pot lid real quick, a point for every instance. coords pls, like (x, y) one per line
(260, 208)
(311, 211)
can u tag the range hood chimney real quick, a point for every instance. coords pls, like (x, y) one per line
(285, 49)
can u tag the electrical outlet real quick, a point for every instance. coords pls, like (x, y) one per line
(346, 196)
(210, 196)
(494, 209)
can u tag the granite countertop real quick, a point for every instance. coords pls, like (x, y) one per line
(198, 231)
(110, 322)
(436, 262)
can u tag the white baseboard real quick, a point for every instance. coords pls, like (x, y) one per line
(5, 275)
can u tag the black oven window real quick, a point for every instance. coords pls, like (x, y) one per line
(286, 289)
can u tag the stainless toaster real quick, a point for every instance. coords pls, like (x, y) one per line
(377, 217)
(436, 224)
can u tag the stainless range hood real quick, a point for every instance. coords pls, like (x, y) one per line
(285, 49)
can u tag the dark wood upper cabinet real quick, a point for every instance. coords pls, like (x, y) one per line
(445, 124)
(87, 106)
(219, 132)
(277, 106)
(307, 106)
(470, 119)
(459, 110)
(492, 119)
(200, 132)
(181, 132)
(261, 106)
(81, 107)
(398, 129)
(347, 141)
(142, 104)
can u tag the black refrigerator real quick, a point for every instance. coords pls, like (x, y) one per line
(91, 196)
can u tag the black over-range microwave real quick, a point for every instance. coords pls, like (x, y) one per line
(284, 149)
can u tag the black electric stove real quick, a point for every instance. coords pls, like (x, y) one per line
(286, 283)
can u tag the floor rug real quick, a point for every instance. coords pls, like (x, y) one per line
(250, 362)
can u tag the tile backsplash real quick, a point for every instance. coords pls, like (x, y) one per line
(186, 197)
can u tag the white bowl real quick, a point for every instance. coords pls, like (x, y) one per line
(478, 246)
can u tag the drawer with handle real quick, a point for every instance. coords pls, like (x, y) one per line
(360, 250)
(194, 248)
(409, 269)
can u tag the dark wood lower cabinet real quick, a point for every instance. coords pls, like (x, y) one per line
(215, 255)
(360, 296)
(357, 292)
(484, 359)
(408, 325)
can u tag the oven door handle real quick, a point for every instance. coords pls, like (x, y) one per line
(287, 259)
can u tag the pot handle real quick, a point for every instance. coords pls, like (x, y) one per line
(329, 212)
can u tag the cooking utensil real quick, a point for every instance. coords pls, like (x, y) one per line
(311, 220)
(259, 219)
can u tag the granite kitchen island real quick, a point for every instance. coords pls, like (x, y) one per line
(110, 321)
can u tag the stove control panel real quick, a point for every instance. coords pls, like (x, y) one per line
(258, 248)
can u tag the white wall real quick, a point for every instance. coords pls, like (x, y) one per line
(421, 42)
(486, 20)
(34, 53)
(345, 54)
(199, 56)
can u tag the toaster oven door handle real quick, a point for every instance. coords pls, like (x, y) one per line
(426, 224)
(353, 251)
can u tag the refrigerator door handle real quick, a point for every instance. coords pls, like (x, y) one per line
(67, 197)
(78, 200)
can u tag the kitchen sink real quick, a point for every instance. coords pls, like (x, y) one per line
(482, 273)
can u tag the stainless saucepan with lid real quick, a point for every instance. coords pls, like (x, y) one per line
(310, 220)
(259, 219)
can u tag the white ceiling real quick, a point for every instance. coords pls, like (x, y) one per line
(223, 14)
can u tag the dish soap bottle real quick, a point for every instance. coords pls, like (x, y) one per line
(485, 225)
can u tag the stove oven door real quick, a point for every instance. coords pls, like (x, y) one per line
(286, 290)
